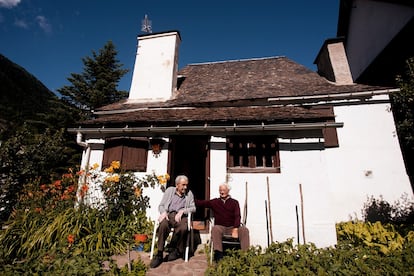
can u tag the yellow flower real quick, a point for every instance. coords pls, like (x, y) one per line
(112, 178)
(115, 164)
(115, 178)
(162, 179)
(95, 166)
(109, 170)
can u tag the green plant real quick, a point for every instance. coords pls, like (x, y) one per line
(288, 259)
(138, 267)
(48, 232)
(383, 238)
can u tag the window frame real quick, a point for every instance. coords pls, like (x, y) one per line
(249, 153)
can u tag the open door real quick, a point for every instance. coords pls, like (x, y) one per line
(189, 155)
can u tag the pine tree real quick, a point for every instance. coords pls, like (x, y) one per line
(97, 85)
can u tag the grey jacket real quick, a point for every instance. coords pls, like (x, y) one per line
(166, 200)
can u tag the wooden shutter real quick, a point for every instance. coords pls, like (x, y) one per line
(330, 136)
(112, 152)
(132, 153)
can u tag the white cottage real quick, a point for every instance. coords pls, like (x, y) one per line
(313, 149)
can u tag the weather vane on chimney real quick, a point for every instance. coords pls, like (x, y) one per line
(146, 25)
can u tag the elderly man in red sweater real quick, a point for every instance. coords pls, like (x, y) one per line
(226, 220)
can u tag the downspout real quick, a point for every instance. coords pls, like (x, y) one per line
(82, 180)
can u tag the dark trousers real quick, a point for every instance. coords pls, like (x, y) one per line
(179, 235)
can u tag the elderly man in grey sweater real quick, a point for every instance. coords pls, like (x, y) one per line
(174, 208)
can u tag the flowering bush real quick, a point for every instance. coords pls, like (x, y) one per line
(57, 195)
(115, 190)
(55, 227)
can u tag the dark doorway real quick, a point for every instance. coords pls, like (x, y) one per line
(189, 156)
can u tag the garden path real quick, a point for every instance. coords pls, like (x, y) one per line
(196, 265)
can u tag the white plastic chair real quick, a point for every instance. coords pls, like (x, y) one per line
(187, 248)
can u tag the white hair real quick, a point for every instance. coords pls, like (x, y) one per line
(181, 177)
(225, 184)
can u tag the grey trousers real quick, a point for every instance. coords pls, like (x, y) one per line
(218, 231)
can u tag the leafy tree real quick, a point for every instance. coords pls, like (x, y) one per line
(26, 157)
(97, 85)
(403, 109)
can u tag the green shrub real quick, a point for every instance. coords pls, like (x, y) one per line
(346, 258)
(380, 237)
(401, 212)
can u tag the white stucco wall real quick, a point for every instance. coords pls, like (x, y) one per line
(335, 182)
(369, 161)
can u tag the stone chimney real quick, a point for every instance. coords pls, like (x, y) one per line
(332, 62)
(156, 64)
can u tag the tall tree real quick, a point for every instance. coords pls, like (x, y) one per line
(403, 109)
(97, 85)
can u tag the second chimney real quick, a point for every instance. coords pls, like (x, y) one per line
(332, 62)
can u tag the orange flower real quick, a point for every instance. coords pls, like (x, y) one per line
(109, 170)
(58, 184)
(67, 175)
(43, 187)
(38, 210)
(71, 239)
(85, 188)
(138, 192)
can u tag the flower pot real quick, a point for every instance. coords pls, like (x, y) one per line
(140, 237)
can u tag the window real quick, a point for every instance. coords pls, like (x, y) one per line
(131, 152)
(253, 154)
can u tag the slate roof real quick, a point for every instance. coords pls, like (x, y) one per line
(231, 91)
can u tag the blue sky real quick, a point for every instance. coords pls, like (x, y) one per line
(49, 38)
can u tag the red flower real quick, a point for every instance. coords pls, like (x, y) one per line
(70, 189)
(71, 239)
(58, 184)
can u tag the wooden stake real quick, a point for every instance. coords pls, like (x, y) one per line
(245, 208)
(302, 213)
(297, 223)
(267, 223)
(270, 211)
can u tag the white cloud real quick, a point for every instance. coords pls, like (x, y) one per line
(21, 23)
(9, 3)
(44, 24)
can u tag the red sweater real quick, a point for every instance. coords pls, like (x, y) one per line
(226, 213)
